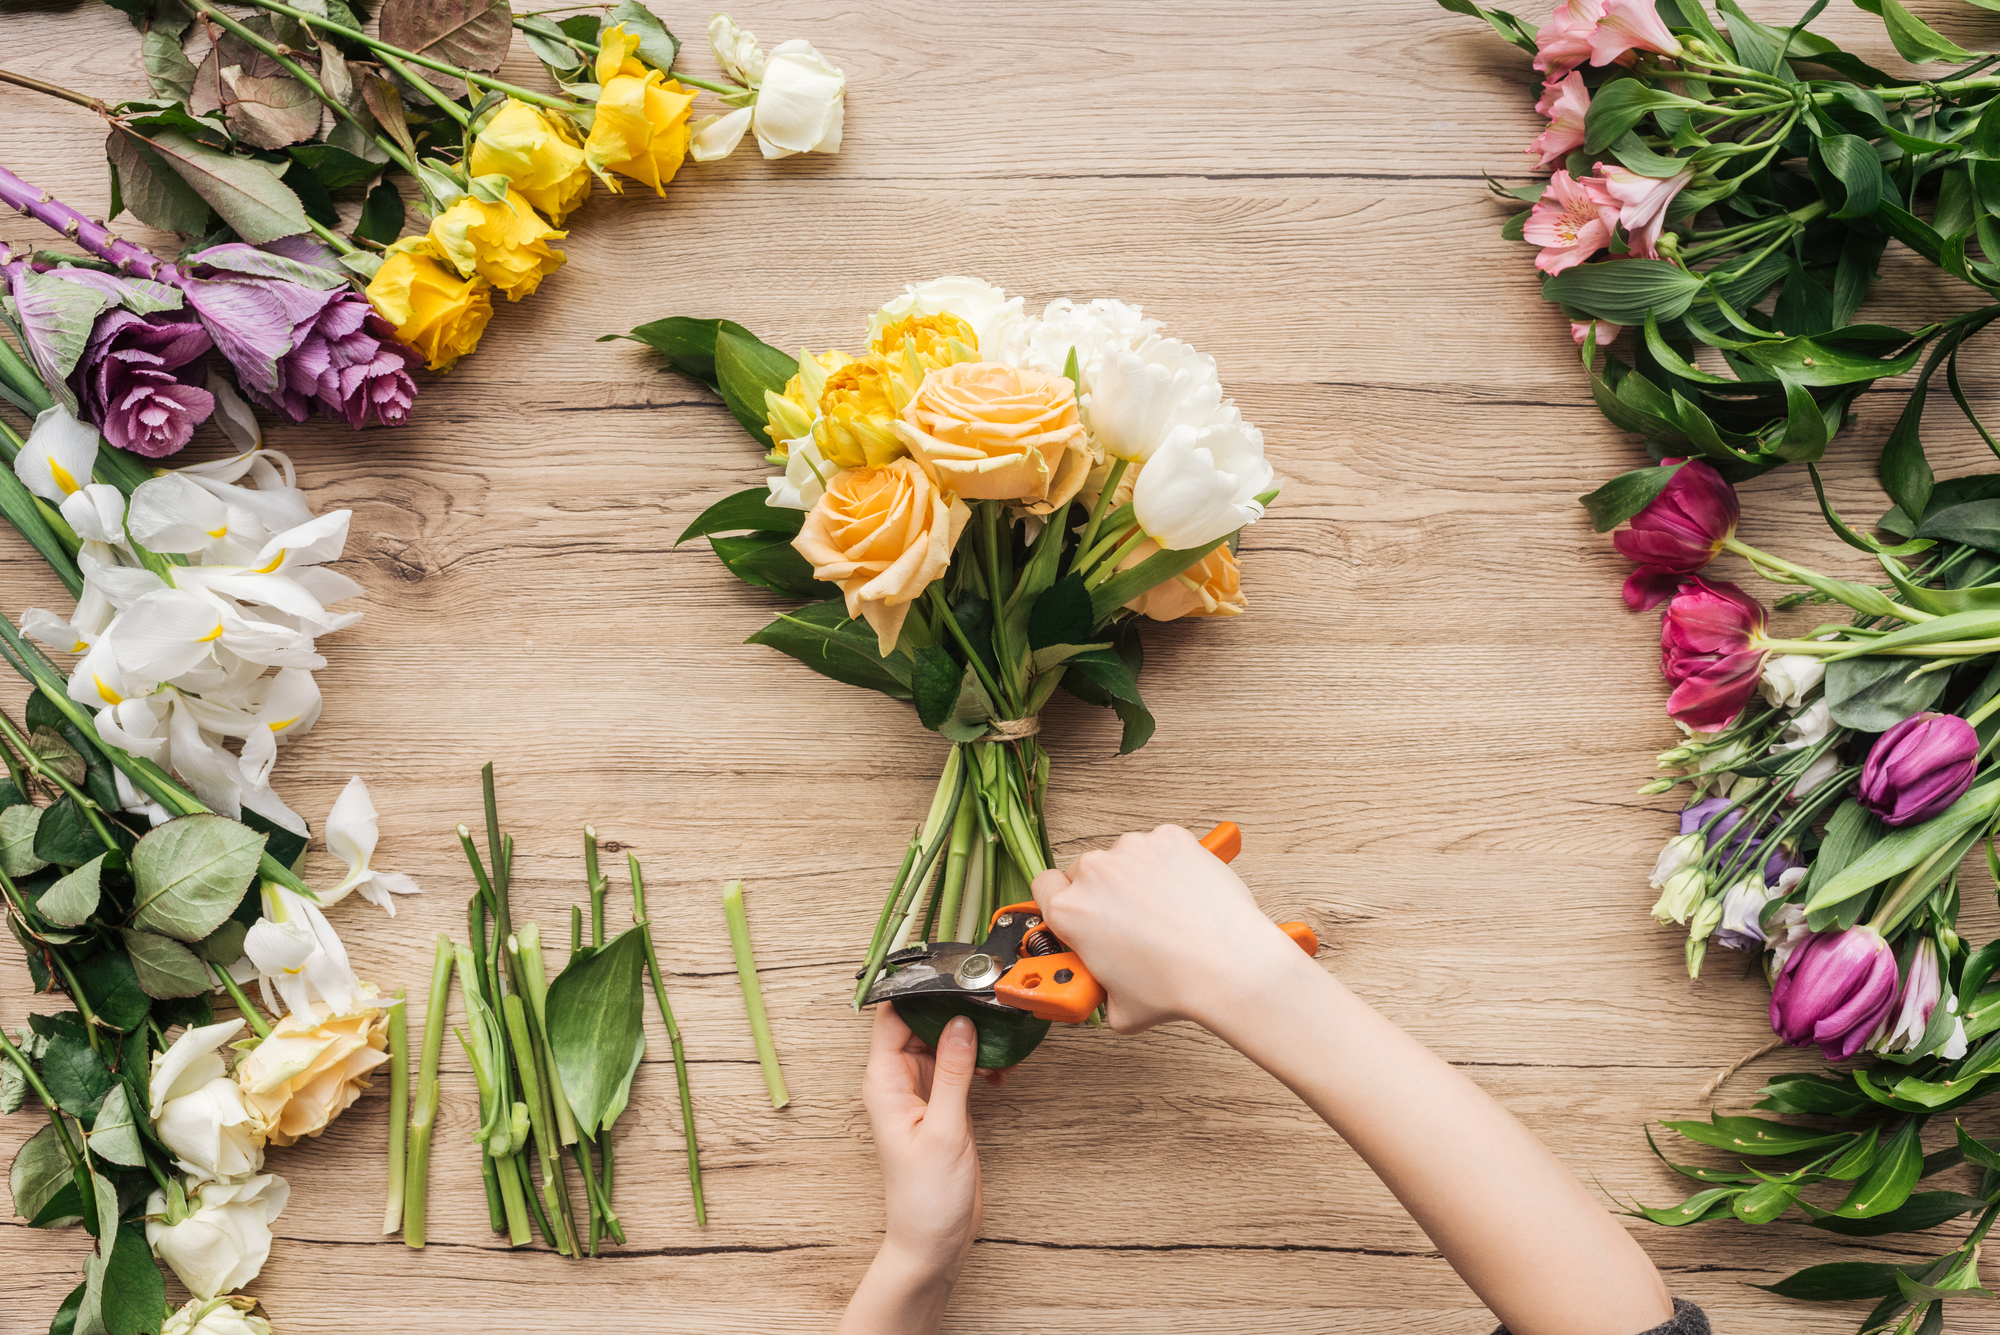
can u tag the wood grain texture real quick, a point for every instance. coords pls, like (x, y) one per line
(1430, 726)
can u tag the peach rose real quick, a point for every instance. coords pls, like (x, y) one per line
(1211, 587)
(994, 433)
(882, 534)
(312, 1067)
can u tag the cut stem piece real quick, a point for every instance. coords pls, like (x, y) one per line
(423, 1112)
(399, 1111)
(673, 1041)
(753, 995)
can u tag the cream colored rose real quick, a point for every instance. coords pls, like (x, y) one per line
(231, 1315)
(990, 432)
(312, 1067)
(1211, 587)
(882, 535)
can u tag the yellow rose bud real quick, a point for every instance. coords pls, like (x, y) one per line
(790, 415)
(938, 340)
(434, 310)
(641, 126)
(1211, 587)
(857, 414)
(991, 432)
(882, 535)
(504, 243)
(312, 1067)
(539, 152)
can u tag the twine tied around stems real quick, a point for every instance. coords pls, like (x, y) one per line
(1011, 729)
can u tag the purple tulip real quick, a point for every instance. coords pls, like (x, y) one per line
(138, 380)
(1835, 990)
(1918, 768)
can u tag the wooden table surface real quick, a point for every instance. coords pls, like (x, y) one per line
(1431, 725)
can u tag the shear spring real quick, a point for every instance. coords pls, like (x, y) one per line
(1041, 941)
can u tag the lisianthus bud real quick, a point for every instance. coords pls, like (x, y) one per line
(1834, 990)
(1918, 768)
(1680, 896)
(1922, 990)
(1679, 532)
(1704, 920)
(1680, 852)
(138, 379)
(1741, 926)
(1709, 649)
(539, 152)
(217, 1316)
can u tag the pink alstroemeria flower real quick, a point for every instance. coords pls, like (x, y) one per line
(1630, 25)
(1565, 102)
(1564, 41)
(1607, 332)
(1644, 201)
(1573, 221)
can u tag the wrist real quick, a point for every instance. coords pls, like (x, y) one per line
(1261, 997)
(923, 1260)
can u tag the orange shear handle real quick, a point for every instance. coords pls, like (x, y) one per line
(1058, 987)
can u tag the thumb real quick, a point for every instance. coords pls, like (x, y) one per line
(957, 1050)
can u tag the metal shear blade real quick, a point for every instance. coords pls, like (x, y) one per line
(942, 969)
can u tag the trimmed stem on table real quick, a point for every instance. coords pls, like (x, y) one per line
(399, 1111)
(555, 1200)
(423, 1111)
(659, 978)
(753, 994)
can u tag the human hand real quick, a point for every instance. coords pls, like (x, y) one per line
(930, 1167)
(1169, 930)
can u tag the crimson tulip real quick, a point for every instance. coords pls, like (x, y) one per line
(1711, 648)
(1679, 532)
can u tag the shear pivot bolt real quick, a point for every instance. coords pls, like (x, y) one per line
(976, 971)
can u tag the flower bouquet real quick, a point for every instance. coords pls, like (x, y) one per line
(983, 506)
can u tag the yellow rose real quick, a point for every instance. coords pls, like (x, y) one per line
(539, 152)
(858, 411)
(312, 1067)
(1211, 587)
(994, 433)
(882, 535)
(504, 243)
(790, 415)
(937, 340)
(640, 129)
(434, 310)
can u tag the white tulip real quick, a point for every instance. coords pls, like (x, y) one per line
(226, 1236)
(1202, 484)
(1138, 397)
(1789, 677)
(351, 833)
(995, 317)
(1092, 331)
(58, 456)
(217, 1316)
(806, 474)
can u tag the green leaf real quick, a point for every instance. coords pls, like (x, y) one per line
(113, 1137)
(382, 215)
(59, 315)
(972, 710)
(191, 873)
(1624, 291)
(1055, 655)
(688, 345)
(153, 191)
(1104, 678)
(745, 367)
(1856, 540)
(65, 837)
(1622, 104)
(1924, 1209)
(1004, 1039)
(770, 561)
(825, 639)
(744, 511)
(1899, 1163)
(1849, 175)
(1715, 1203)
(167, 969)
(112, 985)
(39, 1173)
(1765, 1202)
(1900, 850)
(74, 898)
(1756, 1135)
(131, 1293)
(1840, 1281)
(1062, 614)
(242, 192)
(334, 168)
(1915, 40)
(1974, 523)
(657, 46)
(1804, 1091)
(1107, 598)
(1875, 694)
(224, 945)
(595, 1018)
(17, 840)
(1813, 361)
(934, 685)
(76, 1076)
(1978, 1151)
(545, 39)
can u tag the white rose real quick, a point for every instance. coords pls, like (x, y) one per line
(1788, 677)
(736, 50)
(226, 1237)
(1138, 397)
(1202, 484)
(996, 318)
(806, 474)
(217, 1316)
(801, 103)
(211, 1133)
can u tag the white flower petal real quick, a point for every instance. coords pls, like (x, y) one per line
(58, 456)
(189, 1064)
(1203, 484)
(715, 137)
(801, 102)
(173, 514)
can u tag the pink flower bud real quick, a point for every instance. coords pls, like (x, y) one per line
(1918, 768)
(1835, 990)
(1711, 649)
(1679, 532)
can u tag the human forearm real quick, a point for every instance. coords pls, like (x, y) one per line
(902, 1294)
(1516, 1225)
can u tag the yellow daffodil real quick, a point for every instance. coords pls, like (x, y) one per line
(790, 415)
(641, 126)
(505, 243)
(539, 152)
(434, 310)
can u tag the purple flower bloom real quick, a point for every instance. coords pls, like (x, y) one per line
(1918, 768)
(1835, 990)
(137, 380)
(359, 371)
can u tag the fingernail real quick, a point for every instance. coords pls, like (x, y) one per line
(960, 1032)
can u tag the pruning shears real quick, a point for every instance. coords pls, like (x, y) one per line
(1023, 967)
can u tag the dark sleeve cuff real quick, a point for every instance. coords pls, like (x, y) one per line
(1687, 1320)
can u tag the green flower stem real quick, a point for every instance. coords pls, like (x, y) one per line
(76, 994)
(425, 88)
(555, 1201)
(659, 978)
(597, 884)
(1909, 894)
(43, 770)
(993, 690)
(534, 973)
(924, 849)
(1829, 648)
(423, 1112)
(313, 86)
(579, 45)
(1103, 505)
(340, 244)
(251, 1015)
(963, 827)
(513, 1200)
(753, 994)
(1110, 565)
(496, 1210)
(1765, 563)
(399, 1111)
(1117, 535)
(516, 1167)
